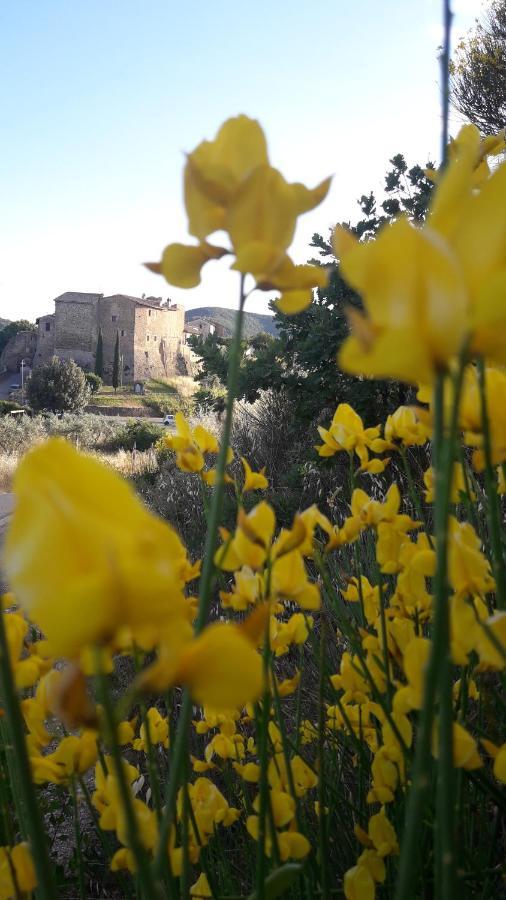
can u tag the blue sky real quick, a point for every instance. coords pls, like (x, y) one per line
(100, 99)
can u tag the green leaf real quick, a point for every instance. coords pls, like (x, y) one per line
(279, 881)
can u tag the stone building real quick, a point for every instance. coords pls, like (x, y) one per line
(151, 334)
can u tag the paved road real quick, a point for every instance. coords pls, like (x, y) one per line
(6, 507)
(5, 384)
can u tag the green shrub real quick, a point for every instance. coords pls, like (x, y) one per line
(93, 381)
(58, 386)
(139, 435)
(7, 406)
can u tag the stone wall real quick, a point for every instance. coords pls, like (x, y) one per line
(158, 335)
(76, 328)
(19, 346)
(116, 315)
(45, 340)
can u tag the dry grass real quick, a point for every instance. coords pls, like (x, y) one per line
(129, 463)
(8, 464)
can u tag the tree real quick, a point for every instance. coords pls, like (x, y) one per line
(478, 80)
(115, 365)
(12, 328)
(99, 355)
(93, 381)
(58, 386)
(301, 361)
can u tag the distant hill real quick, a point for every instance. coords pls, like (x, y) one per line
(254, 323)
(3, 323)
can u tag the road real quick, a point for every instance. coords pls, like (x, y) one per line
(5, 384)
(6, 507)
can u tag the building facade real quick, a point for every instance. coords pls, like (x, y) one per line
(151, 334)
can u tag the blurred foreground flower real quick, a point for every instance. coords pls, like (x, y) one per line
(85, 557)
(230, 186)
(427, 291)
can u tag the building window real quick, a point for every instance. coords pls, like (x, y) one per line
(48, 326)
(154, 337)
(146, 353)
(122, 332)
(114, 318)
(149, 312)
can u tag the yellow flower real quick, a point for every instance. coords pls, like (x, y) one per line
(465, 748)
(253, 481)
(427, 289)
(17, 872)
(201, 887)
(347, 433)
(492, 650)
(382, 834)
(468, 568)
(247, 591)
(405, 426)
(158, 730)
(415, 662)
(289, 581)
(190, 446)
(230, 186)
(220, 666)
(500, 764)
(458, 485)
(74, 755)
(359, 884)
(471, 414)
(117, 564)
(369, 594)
(251, 542)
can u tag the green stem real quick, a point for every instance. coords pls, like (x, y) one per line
(206, 580)
(263, 761)
(219, 487)
(438, 668)
(15, 723)
(77, 839)
(322, 818)
(493, 512)
(147, 882)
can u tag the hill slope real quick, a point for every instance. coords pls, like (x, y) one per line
(254, 323)
(3, 323)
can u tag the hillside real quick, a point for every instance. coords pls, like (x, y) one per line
(254, 323)
(3, 323)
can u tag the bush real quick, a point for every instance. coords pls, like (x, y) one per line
(136, 435)
(58, 386)
(93, 381)
(90, 432)
(7, 406)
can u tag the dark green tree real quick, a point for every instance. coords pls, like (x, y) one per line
(301, 361)
(99, 355)
(12, 328)
(58, 386)
(116, 363)
(93, 381)
(478, 80)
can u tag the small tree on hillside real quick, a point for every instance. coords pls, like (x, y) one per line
(13, 328)
(93, 381)
(58, 386)
(115, 365)
(99, 355)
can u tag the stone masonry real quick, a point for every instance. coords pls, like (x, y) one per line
(151, 334)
